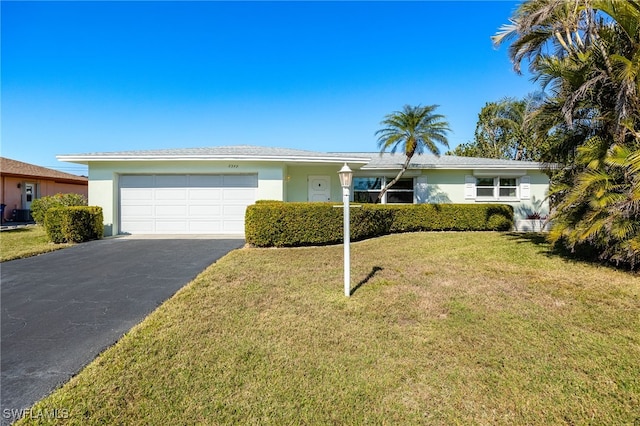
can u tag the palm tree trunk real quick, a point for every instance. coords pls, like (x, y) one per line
(404, 168)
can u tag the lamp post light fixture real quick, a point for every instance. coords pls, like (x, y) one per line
(345, 181)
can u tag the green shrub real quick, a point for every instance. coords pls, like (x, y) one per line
(53, 225)
(40, 206)
(74, 224)
(297, 224)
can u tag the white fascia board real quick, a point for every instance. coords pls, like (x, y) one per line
(535, 166)
(362, 172)
(503, 172)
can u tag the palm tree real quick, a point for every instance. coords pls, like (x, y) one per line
(587, 54)
(412, 131)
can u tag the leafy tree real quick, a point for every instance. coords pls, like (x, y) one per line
(586, 55)
(503, 131)
(412, 131)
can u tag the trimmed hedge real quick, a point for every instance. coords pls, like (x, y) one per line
(269, 224)
(75, 224)
(40, 206)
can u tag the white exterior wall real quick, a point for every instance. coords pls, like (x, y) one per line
(277, 181)
(448, 186)
(104, 188)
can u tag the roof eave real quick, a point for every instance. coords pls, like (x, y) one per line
(85, 159)
(535, 166)
(79, 180)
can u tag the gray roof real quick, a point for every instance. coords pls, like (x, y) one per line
(430, 161)
(235, 152)
(369, 160)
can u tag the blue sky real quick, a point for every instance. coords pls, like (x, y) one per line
(108, 76)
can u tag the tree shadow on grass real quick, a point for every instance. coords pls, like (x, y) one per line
(371, 274)
(583, 255)
(536, 238)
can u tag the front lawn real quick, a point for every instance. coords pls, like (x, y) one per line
(444, 328)
(24, 242)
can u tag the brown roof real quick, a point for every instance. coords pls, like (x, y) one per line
(18, 168)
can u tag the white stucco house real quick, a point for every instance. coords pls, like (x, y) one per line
(206, 190)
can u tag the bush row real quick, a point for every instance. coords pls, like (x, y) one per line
(75, 224)
(278, 224)
(39, 206)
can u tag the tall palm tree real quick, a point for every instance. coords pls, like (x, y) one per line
(412, 131)
(587, 54)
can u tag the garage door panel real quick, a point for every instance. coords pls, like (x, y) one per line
(137, 210)
(178, 204)
(205, 181)
(240, 181)
(170, 227)
(233, 226)
(214, 211)
(170, 211)
(174, 195)
(137, 181)
(235, 211)
(136, 194)
(239, 194)
(137, 227)
(171, 181)
(209, 194)
(204, 227)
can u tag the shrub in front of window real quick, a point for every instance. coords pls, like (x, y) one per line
(299, 224)
(451, 217)
(74, 224)
(40, 206)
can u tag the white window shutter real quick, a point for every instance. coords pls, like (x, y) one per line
(420, 190)
(469, 187)
(525, 187)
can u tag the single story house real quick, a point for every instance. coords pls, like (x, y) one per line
(21, 183)
(206, 190)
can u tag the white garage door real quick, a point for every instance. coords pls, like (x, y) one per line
(185, 204)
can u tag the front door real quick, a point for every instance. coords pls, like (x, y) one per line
(29, 195)
(319, 188)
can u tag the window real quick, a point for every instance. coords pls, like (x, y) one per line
(367, 189)
(507, 187)
(401, 192)
(498, 187)
(484, 187)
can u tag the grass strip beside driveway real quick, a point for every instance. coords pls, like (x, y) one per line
(444, 328)
(25, 242)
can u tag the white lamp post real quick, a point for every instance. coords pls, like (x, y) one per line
(345, 181)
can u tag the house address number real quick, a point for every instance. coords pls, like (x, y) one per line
(233, 166)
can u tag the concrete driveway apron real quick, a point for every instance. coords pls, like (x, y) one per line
(61, 309)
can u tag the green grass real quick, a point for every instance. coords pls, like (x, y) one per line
(443, 328)
(25, 242)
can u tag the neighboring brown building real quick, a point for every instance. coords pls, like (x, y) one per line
(21, 183)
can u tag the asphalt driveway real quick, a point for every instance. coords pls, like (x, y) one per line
(61, 309)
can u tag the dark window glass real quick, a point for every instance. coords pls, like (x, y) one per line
(366, 183)
(484, 182)
(365, 197)
(403, 184)
(507, 182)
(484, 192)
(400, 197)
(507, 192)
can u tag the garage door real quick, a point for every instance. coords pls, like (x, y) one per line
(185, 204)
